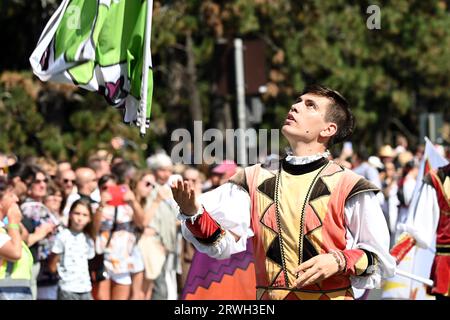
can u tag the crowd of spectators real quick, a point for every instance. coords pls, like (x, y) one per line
(108, 229)
(105, 230)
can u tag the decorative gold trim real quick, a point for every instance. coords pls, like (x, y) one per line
(302, 218)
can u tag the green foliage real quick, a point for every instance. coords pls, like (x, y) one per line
(17, 135)
(394, 72)
(90, 126)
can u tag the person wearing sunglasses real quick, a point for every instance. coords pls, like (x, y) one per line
(37, 219)
(149, 245)
(66, 179)
(86, 183)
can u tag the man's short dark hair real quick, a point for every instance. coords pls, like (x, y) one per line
(338, 112)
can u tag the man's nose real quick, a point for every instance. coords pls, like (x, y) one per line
(294, 108)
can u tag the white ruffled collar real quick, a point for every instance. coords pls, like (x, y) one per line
(296, 160)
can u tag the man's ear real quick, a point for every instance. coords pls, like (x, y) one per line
(329, 131)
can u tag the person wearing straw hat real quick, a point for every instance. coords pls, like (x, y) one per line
(386, 153)
(6, 161)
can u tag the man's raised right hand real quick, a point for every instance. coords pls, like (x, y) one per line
(184, 195)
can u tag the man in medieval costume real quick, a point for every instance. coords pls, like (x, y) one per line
(317, 228)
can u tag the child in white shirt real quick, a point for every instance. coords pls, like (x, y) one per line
(71, 251)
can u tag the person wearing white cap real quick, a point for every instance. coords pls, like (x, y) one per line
(162, 166)
(165, 285)
(375, 162)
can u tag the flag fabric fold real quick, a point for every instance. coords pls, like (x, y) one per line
(99, 45)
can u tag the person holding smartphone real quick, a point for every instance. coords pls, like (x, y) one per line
(118, 215)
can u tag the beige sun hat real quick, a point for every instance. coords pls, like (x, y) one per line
(386, 151)
(7, 160)
(405, 157)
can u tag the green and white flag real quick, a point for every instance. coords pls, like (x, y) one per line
(103, 46)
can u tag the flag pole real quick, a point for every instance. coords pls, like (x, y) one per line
(145, 68)
(403, 273)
